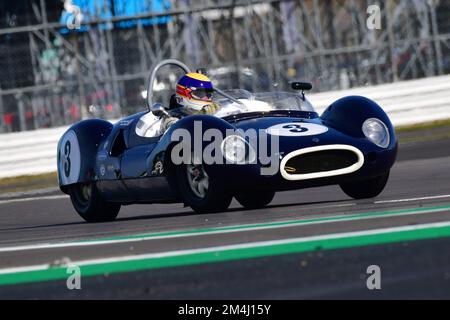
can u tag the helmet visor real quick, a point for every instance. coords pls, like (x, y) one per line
(202, 94)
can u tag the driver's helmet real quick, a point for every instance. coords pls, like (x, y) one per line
(194, 92)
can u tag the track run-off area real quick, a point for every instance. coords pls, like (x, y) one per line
(313, 243)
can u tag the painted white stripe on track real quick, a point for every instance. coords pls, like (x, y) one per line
(56, 197)
(182, 234)
(25, 269)
(233, 247)
(414, 199)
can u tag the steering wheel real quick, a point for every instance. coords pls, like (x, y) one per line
(155, 70)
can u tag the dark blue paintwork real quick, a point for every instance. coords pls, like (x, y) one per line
(133, 173)
(90, 134)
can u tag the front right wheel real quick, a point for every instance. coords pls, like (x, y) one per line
(255, 200)
(365, 189)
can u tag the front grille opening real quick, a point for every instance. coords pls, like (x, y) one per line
(321, 161)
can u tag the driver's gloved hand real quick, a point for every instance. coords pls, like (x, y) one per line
(167, 122)
(210, 109)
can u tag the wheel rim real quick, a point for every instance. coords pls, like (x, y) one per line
(198, 180)
(83, 193)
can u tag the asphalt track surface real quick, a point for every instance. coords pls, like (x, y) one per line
(314, 243)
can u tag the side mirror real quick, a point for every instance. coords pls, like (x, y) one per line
(303, 86)
(158, 110)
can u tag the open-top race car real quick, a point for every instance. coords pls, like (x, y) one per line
(254, 145)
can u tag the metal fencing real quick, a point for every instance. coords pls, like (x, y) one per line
(406, 103)
(53, 76)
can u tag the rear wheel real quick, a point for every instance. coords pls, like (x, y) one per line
(365, 189)
(199, 191)
(89, 204)
(255, 200)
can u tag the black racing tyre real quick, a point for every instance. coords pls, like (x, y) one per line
(365, 189)
(255, 200)
(202, 193)
(89, 204)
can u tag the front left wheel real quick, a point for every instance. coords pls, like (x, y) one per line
(90, 205)
(201, 192)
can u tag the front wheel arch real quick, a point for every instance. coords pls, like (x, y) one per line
(348, 114)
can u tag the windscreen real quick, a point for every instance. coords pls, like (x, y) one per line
(245, 101)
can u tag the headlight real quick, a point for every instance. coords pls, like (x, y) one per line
(377, 132)
(236, 150)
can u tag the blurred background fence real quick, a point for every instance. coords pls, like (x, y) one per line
(51, 75)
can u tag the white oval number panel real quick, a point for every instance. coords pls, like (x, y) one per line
(69, 158)
(296, 129)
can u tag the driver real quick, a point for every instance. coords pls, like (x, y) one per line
(193, 96)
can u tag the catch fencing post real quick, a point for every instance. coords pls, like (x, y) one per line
(436, 39)
(21, 111)
(391, 39)
(2, 113)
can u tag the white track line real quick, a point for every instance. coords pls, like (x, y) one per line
(37, 267)
(414, 199)
(27, 194)
(238, 228)
(44, 246)
(55, 197)
(34, 199)
(232, 247)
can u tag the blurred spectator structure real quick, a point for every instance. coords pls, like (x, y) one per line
(51, 75)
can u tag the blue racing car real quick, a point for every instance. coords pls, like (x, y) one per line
(252, 146)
